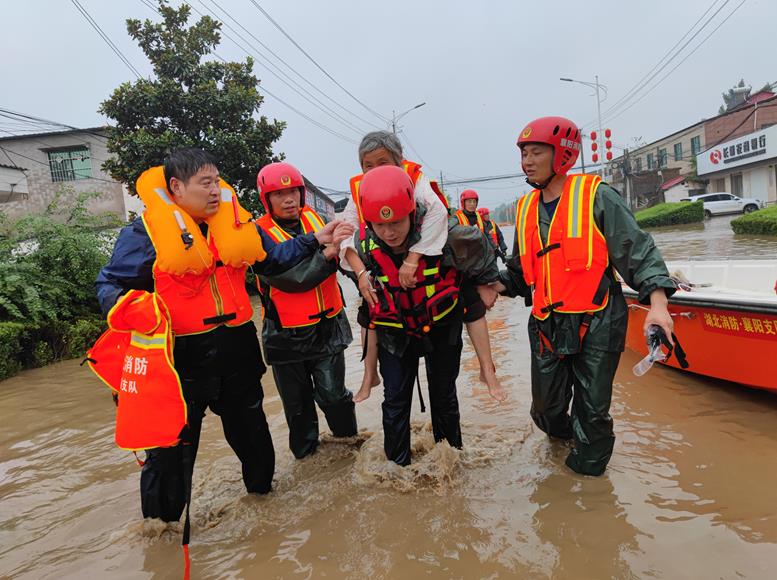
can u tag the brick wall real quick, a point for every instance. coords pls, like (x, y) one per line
(31, 153)
(720, 129)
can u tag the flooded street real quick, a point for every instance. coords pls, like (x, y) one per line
(689, 492)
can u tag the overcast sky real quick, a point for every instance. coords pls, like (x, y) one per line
(484, 69)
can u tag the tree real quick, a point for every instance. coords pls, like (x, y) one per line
(734, 97)
(190, 102)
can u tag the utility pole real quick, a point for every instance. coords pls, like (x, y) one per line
(627, 177)
(599, 136)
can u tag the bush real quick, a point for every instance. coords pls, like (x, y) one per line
(667, 214)
(10, 346)
(26, 346)
(48, 265)
(762, 222)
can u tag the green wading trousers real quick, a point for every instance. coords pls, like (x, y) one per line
(321, 380)
(584, 379)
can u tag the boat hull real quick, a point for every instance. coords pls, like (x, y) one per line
(725, 341)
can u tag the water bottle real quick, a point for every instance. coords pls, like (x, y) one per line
(654, 351)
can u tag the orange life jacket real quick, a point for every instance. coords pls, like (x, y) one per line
(201, 281)
(134, 358)
(492, 233)
(297, 309)
(568, 274)
(412, 169)
(463, 220)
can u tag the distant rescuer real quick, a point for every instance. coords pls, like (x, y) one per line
(198, 273)
(572, 233)
(305, 333)
(420, 321)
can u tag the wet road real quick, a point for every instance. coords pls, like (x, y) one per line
(689, 492)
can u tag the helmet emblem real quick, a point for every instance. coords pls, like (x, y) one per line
(386, 213)
(285, 180)
(526, 132)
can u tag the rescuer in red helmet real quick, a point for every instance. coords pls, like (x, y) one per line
(572, 233)
(493, 232)
(377, 149)
(422, 320)
(305, 330)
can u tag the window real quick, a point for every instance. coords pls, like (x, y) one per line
(695, 145)
(70, 164)
(638, 164)
(736, 184)
(678, 151)
(662, 157)
(650, 163)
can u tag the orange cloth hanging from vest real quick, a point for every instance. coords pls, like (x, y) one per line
(568, 273)
(134, 357)
(296, 309)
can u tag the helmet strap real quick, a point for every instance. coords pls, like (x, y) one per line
(544, 184)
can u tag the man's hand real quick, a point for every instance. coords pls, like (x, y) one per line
(488, 295)
(331, 251)
(334, 232)
(408, 270)
(659, 314)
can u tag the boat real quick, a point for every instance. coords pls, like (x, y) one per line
(725, 318)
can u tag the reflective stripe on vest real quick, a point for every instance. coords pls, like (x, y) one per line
(568, 273)
(413, 171)
(463, 220)
(134, 358)
(297, 309)
(414, 310)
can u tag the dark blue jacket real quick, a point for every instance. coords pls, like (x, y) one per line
(133, 258)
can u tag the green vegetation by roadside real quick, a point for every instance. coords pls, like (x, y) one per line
(668, 214)
(762, 222)
(48, 264)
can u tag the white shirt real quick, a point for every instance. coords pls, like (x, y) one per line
(434, 229)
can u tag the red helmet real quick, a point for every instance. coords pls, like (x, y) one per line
(558, 132)
(467, 194)
(483, 211)
(277, 176)
(386, 194)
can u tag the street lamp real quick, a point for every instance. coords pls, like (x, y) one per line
(395, 117)
(596, 86)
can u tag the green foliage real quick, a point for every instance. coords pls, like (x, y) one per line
(666, 214)
(762, 222)
(732, 99)
(48, 263)
(10, 346)
(191, 102)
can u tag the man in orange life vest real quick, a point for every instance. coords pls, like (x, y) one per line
(572, 233)
(493, 232)
(216, 352)
(422, 320)
(305, 333)
(378, 149)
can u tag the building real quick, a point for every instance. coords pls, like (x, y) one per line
(319, 201)
(745, 166)
(37, 167)
(670, 168)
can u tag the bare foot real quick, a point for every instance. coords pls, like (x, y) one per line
(495, 388)
(362, 394)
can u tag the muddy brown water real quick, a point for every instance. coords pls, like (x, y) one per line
(690, 492)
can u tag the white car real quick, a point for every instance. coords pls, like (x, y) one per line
(723, 202)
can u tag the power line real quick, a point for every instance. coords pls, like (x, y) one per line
(666, 59)
(266, 91)
(663, 78)
(311, 59)
(292, 69)
(299, 90)
(105, 37)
